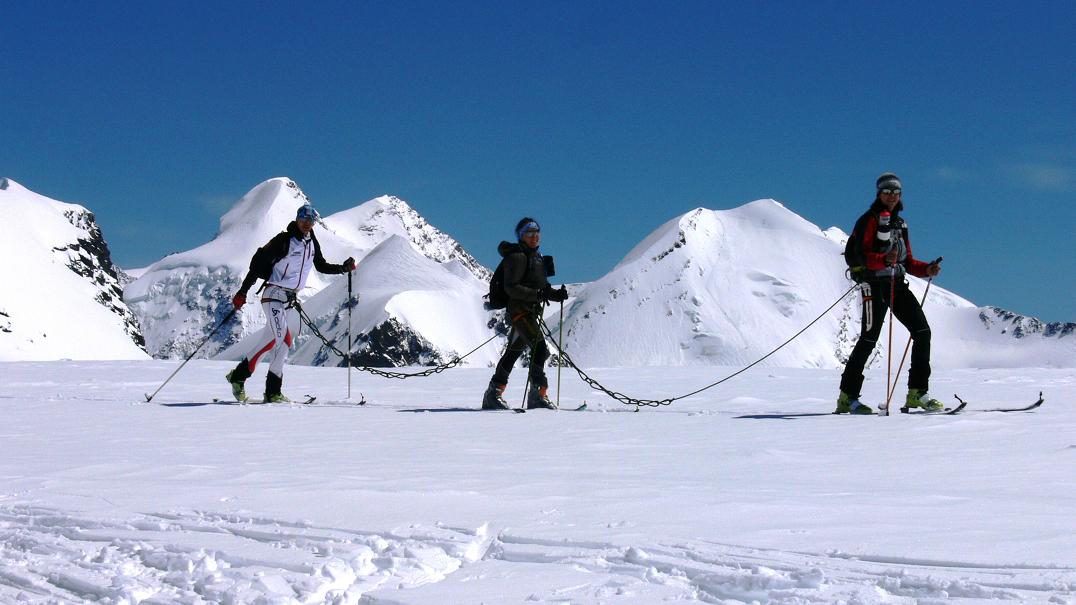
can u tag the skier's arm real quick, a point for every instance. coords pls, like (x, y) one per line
(326, 267)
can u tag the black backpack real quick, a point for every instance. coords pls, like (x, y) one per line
(261, 264)
(497, 297)
(854, 256)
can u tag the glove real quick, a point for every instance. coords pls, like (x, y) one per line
(551, 295)
(933, 269)
(544, 293)
(349, 264)
(239, 300)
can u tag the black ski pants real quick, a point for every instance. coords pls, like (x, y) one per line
(525, 334)
(907, 310)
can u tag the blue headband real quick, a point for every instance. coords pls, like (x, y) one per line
(530, 226)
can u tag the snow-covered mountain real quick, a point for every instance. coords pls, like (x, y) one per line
(61, 296)
(408, 310)
(724, 287)
(180, 298)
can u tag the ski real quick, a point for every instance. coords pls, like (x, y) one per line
(306, 401)
(944, 412)
(1028, 408)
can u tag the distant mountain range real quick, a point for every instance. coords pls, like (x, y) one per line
(709, 287)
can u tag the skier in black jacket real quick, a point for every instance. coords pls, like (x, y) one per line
(527, 287)
(284, 263)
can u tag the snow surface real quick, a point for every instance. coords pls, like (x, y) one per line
(47, 311)
(750, 492)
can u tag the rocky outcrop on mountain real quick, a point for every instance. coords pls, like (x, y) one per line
(90, 258)
(1020, 326)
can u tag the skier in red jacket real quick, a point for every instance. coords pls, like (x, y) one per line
(887, 249)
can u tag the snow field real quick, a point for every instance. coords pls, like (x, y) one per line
(750, 492)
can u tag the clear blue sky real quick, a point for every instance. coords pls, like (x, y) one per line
(603, 120)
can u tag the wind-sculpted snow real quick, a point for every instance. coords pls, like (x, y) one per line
(208, 557)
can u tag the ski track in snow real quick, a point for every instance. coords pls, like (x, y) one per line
(51, 556)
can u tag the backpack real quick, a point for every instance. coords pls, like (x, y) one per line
(261, 264)
(497, 297)
(854, 256)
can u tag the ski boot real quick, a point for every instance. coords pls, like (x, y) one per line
(493, 398)
(272, 389)
(537, 398)
(847, 405)
(920, 399)
(238, 390)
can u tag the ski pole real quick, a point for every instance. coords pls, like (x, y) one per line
(907, 346)
(195, 352)
(889, 348)
(560, 348)
(349, 305)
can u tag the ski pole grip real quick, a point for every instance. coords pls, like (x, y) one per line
(936, 261)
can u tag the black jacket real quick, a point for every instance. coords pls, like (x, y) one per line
(524, 275)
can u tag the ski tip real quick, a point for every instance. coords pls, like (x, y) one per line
(581, 408)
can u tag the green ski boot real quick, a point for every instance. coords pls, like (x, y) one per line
(272, 389)
(238, 390)
(847, 405)
(917, 399)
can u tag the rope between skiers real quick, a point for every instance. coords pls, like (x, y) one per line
(626, 400)
(563, 357)
(455, 361)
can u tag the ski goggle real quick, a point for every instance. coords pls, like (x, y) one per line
(890, 191)
(530, 227)
(307, 213)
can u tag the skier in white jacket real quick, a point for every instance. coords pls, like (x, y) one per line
(284, 263)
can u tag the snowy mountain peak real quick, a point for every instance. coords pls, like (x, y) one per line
(56, 247)
(370, 223)
(272, 202)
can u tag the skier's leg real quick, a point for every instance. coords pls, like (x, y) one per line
(238, 376)
(277, 320)
(908, 312)
(874, 310)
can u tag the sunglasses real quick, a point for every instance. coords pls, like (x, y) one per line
(531, 232)
(891, 191)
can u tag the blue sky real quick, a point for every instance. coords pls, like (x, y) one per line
(603, 120)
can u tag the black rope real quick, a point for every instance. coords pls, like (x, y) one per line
(455, 361)
(626, 400)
